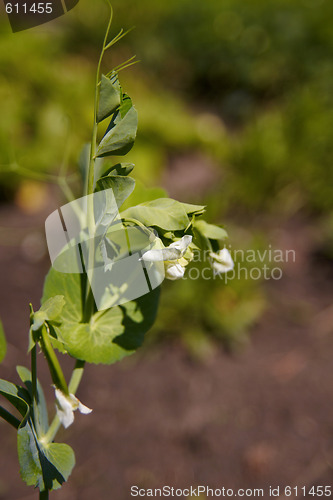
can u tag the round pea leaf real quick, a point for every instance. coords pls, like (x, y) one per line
(44, 466)
(164, 213)
(111, 334)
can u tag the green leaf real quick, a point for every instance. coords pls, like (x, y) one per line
(210, 230)
(17, 396)
(121, 133)
(62, 458)
(55, 337)
(3, 343)
(110, 97)
(25, 376)
(53, 307)
(44, 466)
(49, 311)
(8, 417)
(126, 105)
(194, 209)
(142, 194)
(121, 186)
(201, 241)
(119, 169)
(164, 213)
(111, 334)
(28, 454)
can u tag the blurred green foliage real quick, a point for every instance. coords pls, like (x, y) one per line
(243, 86)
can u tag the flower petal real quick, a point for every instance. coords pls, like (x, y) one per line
(84, 409)
(64, 408)
(182, 244)
(174, 271)
(222, 261)
(167, 253)
(66, 405)
(66, 417)
(171, 253)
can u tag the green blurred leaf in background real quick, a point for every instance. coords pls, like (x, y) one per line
(3, 343)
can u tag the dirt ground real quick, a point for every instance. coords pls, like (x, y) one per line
(258, 418)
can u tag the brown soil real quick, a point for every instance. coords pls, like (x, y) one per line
(257, 418)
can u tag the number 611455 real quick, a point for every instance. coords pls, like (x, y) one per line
(35, 8)
(314, 491)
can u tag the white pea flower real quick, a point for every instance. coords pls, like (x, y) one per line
(222, 261)
(66, 405)
(174, 271)
(175, 257)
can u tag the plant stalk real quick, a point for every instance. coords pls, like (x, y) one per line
(34, 389)
(90, 184)
(53, 362)
(89, 308)
(34, 373)
(44, 495)
(76, 376)
(8, 417)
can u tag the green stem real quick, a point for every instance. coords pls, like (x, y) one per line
(72, 387)
(76, 376)
(90, 302)
(34, 389)
(90, 184)
(8, 417)
(44, 495)
(52, 360)
(52, 430)
(90, 306)
(34, 373)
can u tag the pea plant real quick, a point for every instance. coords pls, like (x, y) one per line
(101, 294)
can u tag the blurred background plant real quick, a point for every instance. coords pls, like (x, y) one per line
(235, 103)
